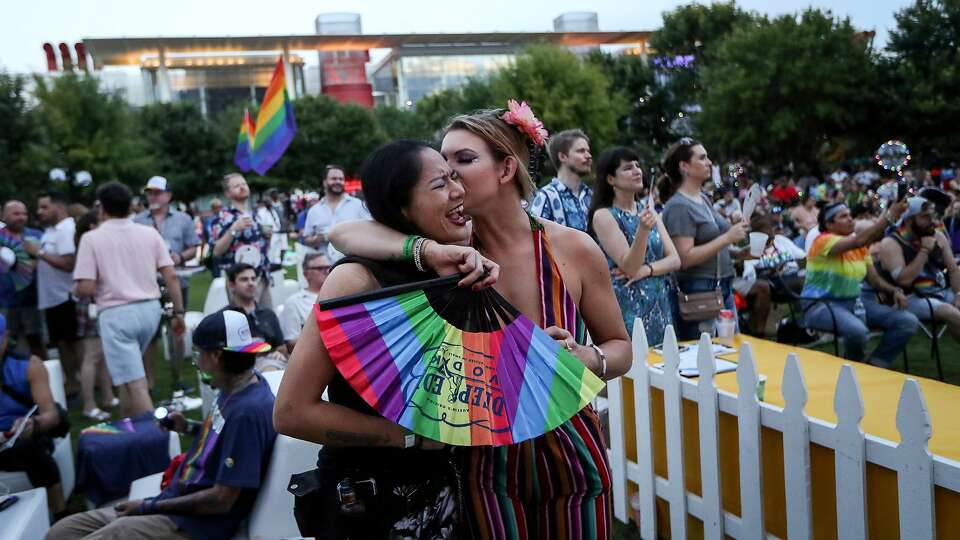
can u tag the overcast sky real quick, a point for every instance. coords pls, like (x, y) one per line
(27, 24)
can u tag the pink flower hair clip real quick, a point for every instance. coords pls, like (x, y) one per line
(521, 116)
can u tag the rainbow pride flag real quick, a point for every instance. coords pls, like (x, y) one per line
(245, 139)
(454, 365)
(275, 125)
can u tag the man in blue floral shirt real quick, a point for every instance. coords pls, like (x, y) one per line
(237, 237)
(566, 199)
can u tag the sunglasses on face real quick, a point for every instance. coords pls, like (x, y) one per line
(317, 268)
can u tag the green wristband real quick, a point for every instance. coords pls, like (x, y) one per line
(408, 247)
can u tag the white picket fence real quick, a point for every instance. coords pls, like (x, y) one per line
(917, 470)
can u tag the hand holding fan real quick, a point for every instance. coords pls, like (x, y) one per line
(454, 365)
(21, 269)
(751, 201)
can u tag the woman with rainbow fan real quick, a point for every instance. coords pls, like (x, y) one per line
(371, 472)
(555, 276)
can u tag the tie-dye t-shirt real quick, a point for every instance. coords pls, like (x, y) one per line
(232, 449)
(834, 276)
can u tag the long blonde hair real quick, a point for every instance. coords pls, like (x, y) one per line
(503, 139)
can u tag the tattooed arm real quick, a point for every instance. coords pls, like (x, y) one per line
(300, 410)
(214, 500)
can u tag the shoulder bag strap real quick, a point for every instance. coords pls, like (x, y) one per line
(713, 216)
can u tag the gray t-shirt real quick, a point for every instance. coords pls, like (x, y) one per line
(684, 217)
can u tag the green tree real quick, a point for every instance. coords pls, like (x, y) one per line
(188, 150)
(17, 134)
(695, 29)
(437, 109)
(402, 124)
(644, 127)
(565, 92)
(683, 46)
(921, 78)
(327, 132)
(780, 90)
(83, 127)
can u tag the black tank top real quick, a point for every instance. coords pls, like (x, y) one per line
(374, 459)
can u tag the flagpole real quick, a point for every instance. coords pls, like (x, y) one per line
(288, 72)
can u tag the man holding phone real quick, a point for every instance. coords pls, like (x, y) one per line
(215, 486)
(23, 385)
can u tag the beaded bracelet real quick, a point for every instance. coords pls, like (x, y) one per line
(417, 253)
(408, 247)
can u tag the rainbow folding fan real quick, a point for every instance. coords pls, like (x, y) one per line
(21, 272)
(454, 365)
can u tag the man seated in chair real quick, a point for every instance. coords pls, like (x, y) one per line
(23, 383)
(919, 258)
(215, 486)
(242, 288)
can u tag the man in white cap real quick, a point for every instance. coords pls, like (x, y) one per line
(215, 486)
(177, 230)
(919, 258)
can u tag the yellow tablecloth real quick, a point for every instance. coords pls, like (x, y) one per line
(881, 392)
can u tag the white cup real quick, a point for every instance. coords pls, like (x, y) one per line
(758, 241)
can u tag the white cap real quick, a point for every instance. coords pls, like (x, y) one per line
(312, 196)
(156, 183)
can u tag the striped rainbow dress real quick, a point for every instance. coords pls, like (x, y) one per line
(556, 485)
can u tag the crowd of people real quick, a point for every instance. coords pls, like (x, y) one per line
(599, 248)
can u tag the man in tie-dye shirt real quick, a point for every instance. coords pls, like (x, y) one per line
(837, 263)
(216, 484)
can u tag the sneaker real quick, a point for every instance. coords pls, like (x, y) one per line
(97, 414)
(114, 403)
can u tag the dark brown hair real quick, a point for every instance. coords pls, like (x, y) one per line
(670, 177)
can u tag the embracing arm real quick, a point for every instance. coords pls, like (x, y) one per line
(367, 238)
(300, 410)
(375, 241)
(600, 309)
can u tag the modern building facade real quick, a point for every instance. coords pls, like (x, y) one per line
(217, 71)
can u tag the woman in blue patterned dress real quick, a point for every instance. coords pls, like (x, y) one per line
(639, 251)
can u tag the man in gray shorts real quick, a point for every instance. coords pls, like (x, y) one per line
(918, 258)
(117, 264)
(178, 232)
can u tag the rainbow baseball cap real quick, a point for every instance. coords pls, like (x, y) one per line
(227, 330)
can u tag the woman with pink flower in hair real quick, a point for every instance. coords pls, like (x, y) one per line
(556, 485)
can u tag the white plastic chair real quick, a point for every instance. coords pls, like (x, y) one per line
(62, 449)
(216, 296)
(28, 518)
(272, 513)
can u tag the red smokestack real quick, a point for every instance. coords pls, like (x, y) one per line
(65, 57)
(81, 55)
(51, 57)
